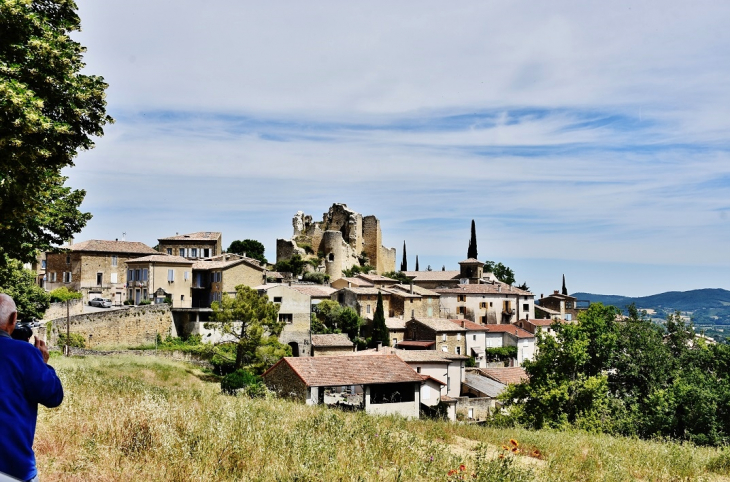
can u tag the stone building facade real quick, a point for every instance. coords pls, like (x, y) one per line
(343, 239)
(295, 310)
(449, 337)
(203, 244)
(95, 268)
(488, 303)
(158, 277)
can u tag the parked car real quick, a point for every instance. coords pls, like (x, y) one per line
(101, 302)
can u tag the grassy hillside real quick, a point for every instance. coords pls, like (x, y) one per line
(140, 419)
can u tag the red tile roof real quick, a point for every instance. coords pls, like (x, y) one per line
(433, 275)
(417, 344)
(315, 291)
(505, 375)
(199, 236)
(333, 340)
(470, 325)
(161, 258)
(483, 288)
(337, 371)
(439, 325)
(101, 246)
(511, 329)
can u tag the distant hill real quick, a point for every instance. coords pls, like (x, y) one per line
(709, 309)
(672, 300)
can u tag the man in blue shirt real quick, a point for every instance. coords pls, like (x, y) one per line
(25, 381)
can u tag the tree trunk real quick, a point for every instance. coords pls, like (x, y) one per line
(240, 349)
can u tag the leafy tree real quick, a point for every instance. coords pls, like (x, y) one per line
(334, 318)
(380, 331)
(31, 300)
(356, 270)
(472, 251)
(399, 276)
(319, 278)
(65, 295)
(50, 111)
(523, 287)
(249, 247)
(253, 322)
(500, 271)
(293, 265)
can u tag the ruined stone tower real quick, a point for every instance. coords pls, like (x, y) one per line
(343, 239)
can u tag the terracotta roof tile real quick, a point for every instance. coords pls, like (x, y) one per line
(416, 289)
(335, 339)
(199, 236)
(161, 258)
(376, 278)
(511, 329)
(440, 324)
(337, 371)
(433, 275)
(101, 246)
(505, 375)
(470, 261)
(411, 356)
(315, 291)
(358, 282)
(483, 288)
(395, 323)
(469, 325)
(417, 343)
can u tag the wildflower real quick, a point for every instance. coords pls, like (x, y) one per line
(515, 450)
(536, 453)
(514, 442)
(452, 472)
(504, 447)
(462, 467)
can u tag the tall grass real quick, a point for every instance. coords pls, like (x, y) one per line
(127, 418)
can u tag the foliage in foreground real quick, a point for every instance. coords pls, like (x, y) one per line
(31, 300)
(627, 376)
(139, 419)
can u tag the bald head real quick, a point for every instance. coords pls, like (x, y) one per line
(8, 313)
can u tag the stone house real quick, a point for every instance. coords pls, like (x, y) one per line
(363, 300)
(511, 335)
(532, 326)
(159, 276)
(221, 274)
(449, 337)
(566, 305)
(295, 310)
(332, 345)
(377, 280)
(491, 302)
(352, 282)
(96, 268)
(434, 279)
(410, 301)
(476, 340)
(316, 293)
(203, 244)
(506, 375)
(383, 385)
(396, 330)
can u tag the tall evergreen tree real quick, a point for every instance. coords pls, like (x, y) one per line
(565, 290)
(416, 262)
(472, 252)
(380, 331)
(404, 263)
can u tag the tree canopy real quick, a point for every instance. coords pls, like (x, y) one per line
(293, 265)
(253, 322)
(628, 376)
(50, 111)
(250, 247)
(334, 318)
(500, 271)
(19, 283)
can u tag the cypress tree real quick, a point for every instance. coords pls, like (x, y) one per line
(472, 252)
(404, 263)
(565, 290)
(416, 262)
(380, 331)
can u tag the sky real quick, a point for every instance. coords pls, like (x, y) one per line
(584, 138)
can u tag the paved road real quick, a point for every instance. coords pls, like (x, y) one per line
(96, 309)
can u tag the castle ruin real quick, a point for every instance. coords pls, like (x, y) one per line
(343, 239)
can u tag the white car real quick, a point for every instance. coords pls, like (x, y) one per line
(101, 302)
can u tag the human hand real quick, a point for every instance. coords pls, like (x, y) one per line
(41, 345)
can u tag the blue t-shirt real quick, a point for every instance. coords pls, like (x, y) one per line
(25, 381)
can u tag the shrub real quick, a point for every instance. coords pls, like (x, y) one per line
(320, 278)
(77, 340)
(128, 302)
(145, 302)
(251, 384)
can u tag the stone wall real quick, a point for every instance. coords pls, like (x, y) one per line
(138, 325)
(333, 350)
(58, 310)
(481, 407)
(283, 381)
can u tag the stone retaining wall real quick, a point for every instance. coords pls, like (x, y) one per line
(58, 310)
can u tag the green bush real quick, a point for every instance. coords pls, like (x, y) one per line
(251, 384)
(77, 340)
(320, 278)
(145, 302)
(128, 302)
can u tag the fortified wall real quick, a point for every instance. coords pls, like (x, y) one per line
(343, 239)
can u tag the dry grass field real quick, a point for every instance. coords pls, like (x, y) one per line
(138, 419)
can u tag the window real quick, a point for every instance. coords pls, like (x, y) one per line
(507, 306)
(331, 257)
(66, 276)
(169, 251)
(145, 274)
(130, 275)
(68, 259)
(115, 260)
(218, 276)
(458, 350)
(129, 297)
(286, 317)
(137, 274)
(186, 275)
(458, 337)
(53, 277)
(144, 294)
(182, 297)
(277, 299)
(206, 252)
(395, 342)
(170, 275)
(43, 264)
(418, 369)
(368, 308)
(429, 312)
(194, 252)
(114, 278)
(461, 298)
(413, 313)
(525, 307)
(411, 300)
(483, 304)
(425, 392)
(484, 320)
(445, 348)
(182, 252)
(461, 310)
(99, 278)
(474, 338)
(443, 337)
(491, 304)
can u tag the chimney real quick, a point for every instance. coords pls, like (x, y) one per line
(542, 296)
(499, 288)
(244, 254)
(116, 239)
(555, 292)
(379, 346)
(463, 323)
(349, 285)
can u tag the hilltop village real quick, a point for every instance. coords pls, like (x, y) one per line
(457, 337)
